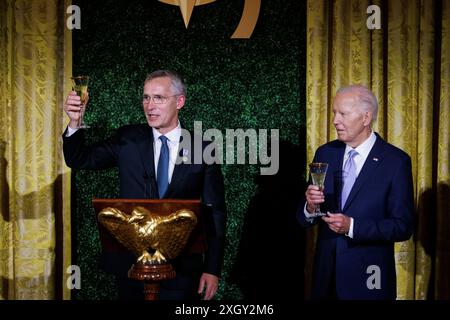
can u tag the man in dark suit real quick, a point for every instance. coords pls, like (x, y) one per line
(368, 198)
(148, 157)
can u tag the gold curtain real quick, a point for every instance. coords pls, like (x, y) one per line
(406, 63)
(35, 65)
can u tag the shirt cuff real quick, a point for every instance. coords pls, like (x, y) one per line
(309, 217)
(70, 131)
(350, 231)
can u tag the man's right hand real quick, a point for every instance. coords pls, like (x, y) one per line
(313, 196)
(73, 107)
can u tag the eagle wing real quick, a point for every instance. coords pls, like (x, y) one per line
(123, 228)
(171, 233)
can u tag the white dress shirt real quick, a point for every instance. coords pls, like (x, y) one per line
(70, 131)
(363, 152)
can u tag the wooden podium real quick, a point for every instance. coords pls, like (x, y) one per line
(113, 239)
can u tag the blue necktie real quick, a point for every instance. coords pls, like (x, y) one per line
(349, 176)
(163, 167)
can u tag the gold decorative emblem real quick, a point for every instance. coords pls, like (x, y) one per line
(142, 230)
(248, 21)
(186, 7)
(246, 25)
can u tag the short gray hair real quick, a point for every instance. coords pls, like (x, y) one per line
(366, 98)
(177, 82)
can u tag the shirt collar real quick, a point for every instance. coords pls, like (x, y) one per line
(364, 148)
(173, 135)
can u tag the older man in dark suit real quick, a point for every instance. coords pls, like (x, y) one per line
(147, 156)
(368, 197)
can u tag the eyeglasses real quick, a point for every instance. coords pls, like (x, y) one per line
(157, 99)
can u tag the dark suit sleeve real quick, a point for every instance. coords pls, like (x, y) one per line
(214, 199)
(79, 156)
(301, 218)
(398, 223)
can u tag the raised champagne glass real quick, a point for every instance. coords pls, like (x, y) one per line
(80, 85)
(318, 171)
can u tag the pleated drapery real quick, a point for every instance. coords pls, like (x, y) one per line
(35, 69)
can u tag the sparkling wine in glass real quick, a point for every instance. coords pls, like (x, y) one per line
(80, 85)
(318, 171)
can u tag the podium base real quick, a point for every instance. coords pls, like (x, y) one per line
(151, 274)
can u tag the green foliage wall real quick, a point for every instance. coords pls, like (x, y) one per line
(254, 83)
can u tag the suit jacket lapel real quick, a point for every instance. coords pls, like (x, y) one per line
(373, 160)
(178, 173)
(146, 151)
(338, 175)
(179, 170)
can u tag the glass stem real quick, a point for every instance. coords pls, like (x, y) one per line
(81, 116)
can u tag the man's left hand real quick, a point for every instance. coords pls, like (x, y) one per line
(209, 283)
(338, 222)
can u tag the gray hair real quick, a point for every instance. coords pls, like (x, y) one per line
(177, 82)
(366, 98)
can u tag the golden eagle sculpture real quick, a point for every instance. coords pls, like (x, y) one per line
(142, 230)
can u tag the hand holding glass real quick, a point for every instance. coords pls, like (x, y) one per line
(80, 85)
(318, 171)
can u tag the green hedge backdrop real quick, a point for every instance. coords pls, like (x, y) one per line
(252, 83)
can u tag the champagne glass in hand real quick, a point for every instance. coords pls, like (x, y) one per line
(80, 85)
(318, 171)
